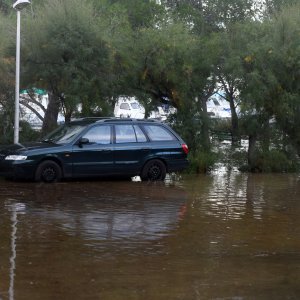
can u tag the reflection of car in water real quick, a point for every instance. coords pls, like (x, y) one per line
(122, 212)
(48, 223)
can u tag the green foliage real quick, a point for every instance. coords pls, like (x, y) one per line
(140, 13)
(201, 162)
(6, 127)
(212, 15)
(163, 63)
(274, 161)
(5, 6)
(188, 126)
(275, 6)
(272, 78)
(7, 78)
(67, 54)
(27, 134)
(7, 133)
(221, 128)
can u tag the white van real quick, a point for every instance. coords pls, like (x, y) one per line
(129, 107)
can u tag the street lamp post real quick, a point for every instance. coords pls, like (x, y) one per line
(18, 6)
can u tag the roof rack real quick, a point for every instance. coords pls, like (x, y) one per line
(113, 119)
(128, 120)
(97, 118)
(90, 119)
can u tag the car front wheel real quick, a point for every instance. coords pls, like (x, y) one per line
(154, 170)
(48, 171)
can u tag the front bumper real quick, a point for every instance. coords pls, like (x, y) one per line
(14, 169)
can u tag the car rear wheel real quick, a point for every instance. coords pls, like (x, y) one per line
(154, 170)
(48, 171)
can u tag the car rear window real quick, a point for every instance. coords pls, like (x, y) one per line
(129, 134)
(158, 133)
(125, 134)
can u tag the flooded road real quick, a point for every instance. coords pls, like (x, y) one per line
(224, 236)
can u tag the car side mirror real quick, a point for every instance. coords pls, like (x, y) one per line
(83, 141)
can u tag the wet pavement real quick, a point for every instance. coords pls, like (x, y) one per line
(224, 236)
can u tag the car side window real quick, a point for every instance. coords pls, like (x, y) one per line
(99, 135)
(125, 134)
(140, 136)
(158, 133)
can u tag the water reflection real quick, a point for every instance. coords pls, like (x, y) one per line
(231, 195)
(225, 236)
(15, 209)
(104, 211)
(107, 217)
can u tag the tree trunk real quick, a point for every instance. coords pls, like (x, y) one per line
(50, 118)
(266, 136)
(205, 125)
(68, 116)
(235, 134)
(251, 152)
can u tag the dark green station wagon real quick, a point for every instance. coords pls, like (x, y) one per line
(92, 147)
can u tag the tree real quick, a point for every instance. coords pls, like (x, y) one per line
(141, 14)
(284, 58)
(5, 6)
(229, 72)
(273, 7)
(272, 79)
(67, 56)
(217, 20)
(7, 78)
(212, 15)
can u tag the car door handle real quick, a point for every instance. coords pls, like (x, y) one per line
(146, 149)
(105, 150)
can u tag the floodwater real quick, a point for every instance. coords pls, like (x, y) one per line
(223, 236)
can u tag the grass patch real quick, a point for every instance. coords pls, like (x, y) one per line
(201, 162)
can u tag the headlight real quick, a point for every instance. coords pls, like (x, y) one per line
(15, 157)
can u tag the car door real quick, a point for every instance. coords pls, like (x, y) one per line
(131, 149)
(94, 155)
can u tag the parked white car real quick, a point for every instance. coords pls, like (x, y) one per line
(129, 107)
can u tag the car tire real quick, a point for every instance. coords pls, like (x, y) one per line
(48, 171)
(154, 170)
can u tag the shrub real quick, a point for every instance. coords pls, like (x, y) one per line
(201, 162)
(277, 161)
(27, 134)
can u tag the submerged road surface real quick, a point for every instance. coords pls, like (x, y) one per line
(224, 236)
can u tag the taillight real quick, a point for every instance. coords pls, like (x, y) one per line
(185, 148)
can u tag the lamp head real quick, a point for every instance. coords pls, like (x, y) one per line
(20, 4)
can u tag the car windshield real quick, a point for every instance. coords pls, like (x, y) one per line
(64, 134)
